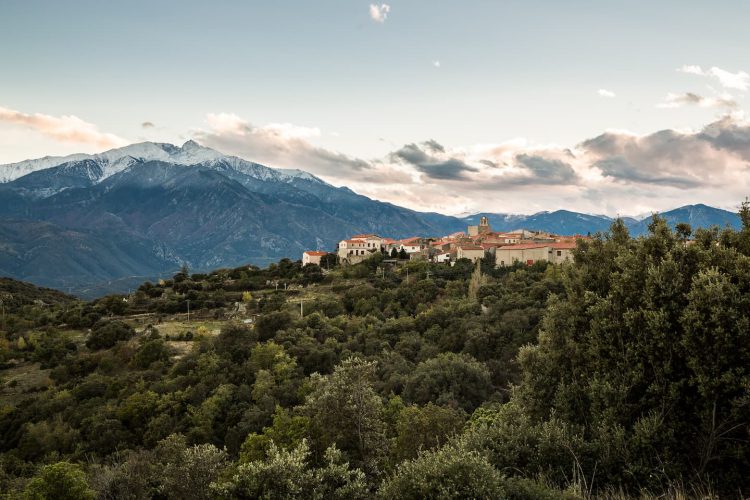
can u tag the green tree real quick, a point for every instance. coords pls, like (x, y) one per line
(187, 472)
(345, 410)
(449, 472)
(450, 379)
(424, 428)
(287, 432)
(59, 481)
(648, 351)
(288, 474)
(106, 334)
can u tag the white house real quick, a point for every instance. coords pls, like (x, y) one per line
(312, 257)
(441, 257)
(372, 241)
(411, 245)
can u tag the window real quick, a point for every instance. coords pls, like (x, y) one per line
(559, 253)
(502, 263)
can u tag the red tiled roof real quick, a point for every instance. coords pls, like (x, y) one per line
(316, 253)
(470, 247)
(411, 241)
(356, 236)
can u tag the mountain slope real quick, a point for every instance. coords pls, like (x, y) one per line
(698, 216)
(121, 214)
(559, 222)
(92, 222)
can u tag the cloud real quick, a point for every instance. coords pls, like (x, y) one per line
(547, 171)
(276, 144)
(66, 128)
(147, 125)
(673, 100)
(618, 168)
(429, 159)
(606, 93)
(436, 64)
(614, 172)
(379, 13)
(727, 79)
(715, 156)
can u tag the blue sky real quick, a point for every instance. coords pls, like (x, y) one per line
(506, 89)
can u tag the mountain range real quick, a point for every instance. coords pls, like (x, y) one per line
(92, 224)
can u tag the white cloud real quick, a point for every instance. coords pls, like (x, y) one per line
(727, 79)
(66, 128)
(436, 64)
(276, 144)
(723, 101)
(603, 174)
(226, 123)
(379, 13)
(606, 93)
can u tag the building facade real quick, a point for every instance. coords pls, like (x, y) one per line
(471, 252)
(530, 253)
(312, 257)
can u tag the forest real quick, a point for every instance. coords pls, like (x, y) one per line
(624, 374)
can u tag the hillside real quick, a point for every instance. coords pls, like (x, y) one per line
(393, 380)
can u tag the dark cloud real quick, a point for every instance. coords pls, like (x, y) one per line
(147, 125)
(547, 171)
(536, 170)
(726, 134)
(672, 158)
(451, 169)
(619, 169)
(433, 146)
(489, 163)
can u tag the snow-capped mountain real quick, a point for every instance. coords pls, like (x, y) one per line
(86, 221)
(116, 160)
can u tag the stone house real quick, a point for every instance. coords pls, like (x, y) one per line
(529, 253)
(471, 252)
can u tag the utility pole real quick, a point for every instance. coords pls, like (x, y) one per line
(407, 275)
(301, 309)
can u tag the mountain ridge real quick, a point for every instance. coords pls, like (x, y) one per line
(76, 222)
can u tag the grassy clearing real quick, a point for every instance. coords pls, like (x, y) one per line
(20, 381)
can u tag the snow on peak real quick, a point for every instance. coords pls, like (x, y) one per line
(300, 174)
(117, 160)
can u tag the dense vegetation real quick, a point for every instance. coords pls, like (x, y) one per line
(625, 373)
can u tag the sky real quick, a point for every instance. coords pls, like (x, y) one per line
(610, 107)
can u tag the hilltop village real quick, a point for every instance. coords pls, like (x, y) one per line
(521, 245)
